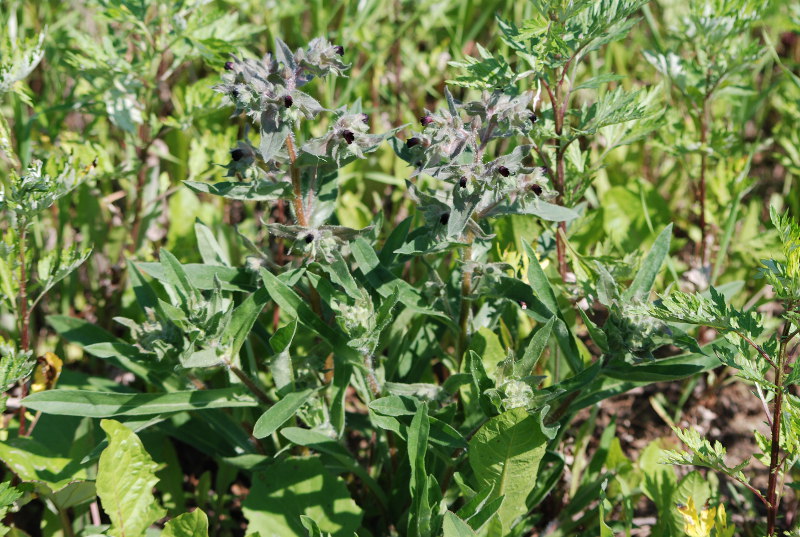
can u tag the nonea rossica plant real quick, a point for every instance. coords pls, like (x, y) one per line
(764, 353)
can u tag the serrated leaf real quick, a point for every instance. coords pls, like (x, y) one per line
(126, 476)
(505, 454)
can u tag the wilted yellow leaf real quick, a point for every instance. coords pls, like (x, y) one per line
(46, 373)
(697, 524)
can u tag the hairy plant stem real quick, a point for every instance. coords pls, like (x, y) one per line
(297, 187)
(773, 500)
(464, 311)
(702, 185)
(66, 523)
(559, 103)
(251, 385)
(24, 315)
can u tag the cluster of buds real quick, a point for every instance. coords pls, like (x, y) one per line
(348, 136)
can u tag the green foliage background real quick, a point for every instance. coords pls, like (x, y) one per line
(126, 88)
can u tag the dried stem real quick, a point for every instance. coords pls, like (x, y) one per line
(297, 187)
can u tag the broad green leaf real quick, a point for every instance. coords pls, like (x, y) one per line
(651, 265)
(299, 486)
(194, 524)
(106, 404)
(126, 476)
(32, 461)
(505, 454)
(325, 444)
(280, 412)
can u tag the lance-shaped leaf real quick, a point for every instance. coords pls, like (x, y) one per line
(105, 404)
(646, 277)
(260, 190)
(126, 476)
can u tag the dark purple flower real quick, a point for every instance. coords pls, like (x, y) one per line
(536, 189)
(228, 66)
(426, 120)
(462, 182)
(339, 49)
(502, 170)
(365, 118)
(411, 142)
(237, 154)
(348, 136)
(533, 118)
(288, 101)
(309, 238)
(444, 218)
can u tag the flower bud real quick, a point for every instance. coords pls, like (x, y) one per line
(426, 120)
(288, 101)
(411, 142)
(365, 118)
(339, 49)
(348, 136)
(502, 170)
(229, 66)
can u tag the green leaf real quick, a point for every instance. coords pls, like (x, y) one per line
(299, 486)
(243, 319)
(210, 250)
(455, 527)
(252, 191)
(646, 277)
(202, 276)
(32, 461)
(194, 524)
(291, 303)
(385, 283)
(126, 476)
(505, 454)
(544, 291)
(283, 337)
(105, 404)
(280, 412)
(420, 514)
(324, 444)
(534, 349)
(273, 135)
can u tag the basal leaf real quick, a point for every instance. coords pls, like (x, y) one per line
(126, 476)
